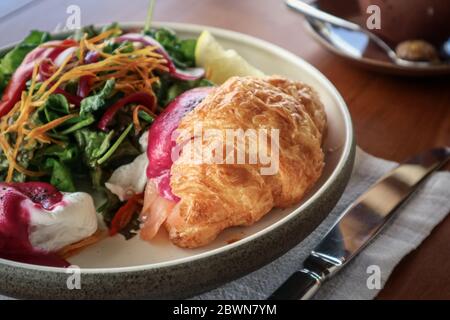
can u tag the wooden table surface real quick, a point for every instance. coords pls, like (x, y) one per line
(393, 117)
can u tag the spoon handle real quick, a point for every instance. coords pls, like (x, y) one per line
(312, 12)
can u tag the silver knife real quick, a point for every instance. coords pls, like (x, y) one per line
(359, 224)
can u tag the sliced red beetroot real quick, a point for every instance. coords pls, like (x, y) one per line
(187, 74)
(75, 100)
(23, 73)
(46, 69)
(84, 86)
(142, 98)
(60, 58)
(160, 142)
(40, 193)
(15, 221)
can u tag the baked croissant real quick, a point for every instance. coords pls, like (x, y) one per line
(215, 196)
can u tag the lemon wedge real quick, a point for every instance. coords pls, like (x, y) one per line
(221, 64)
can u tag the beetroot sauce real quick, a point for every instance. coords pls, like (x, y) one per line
(15, 222)
(160, 142)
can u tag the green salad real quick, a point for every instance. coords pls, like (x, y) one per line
(74, 110)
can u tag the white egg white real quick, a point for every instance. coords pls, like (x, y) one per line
(70, 221)
(130, 178)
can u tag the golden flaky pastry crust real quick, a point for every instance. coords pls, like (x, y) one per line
(217, 196)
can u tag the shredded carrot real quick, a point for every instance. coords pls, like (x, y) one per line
(82, 49)
(104, 35)
(24, 105)
(74, 248)
(125, 213)
(29, 172)
(50, 80)
(12, 163)
(43, 138)
(58, 45)
(132, 71)
(136, 110)
(50, 125)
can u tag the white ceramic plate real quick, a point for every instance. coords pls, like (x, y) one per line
(115, 255)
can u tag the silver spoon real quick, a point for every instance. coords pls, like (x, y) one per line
(312, 12)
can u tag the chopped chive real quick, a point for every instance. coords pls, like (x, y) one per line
(116, 144)
(81, 124)
(104, 145)
(145, 116)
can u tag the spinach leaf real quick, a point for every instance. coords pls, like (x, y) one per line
(58, 136)
(55, 107)
(71, 86)
(90, 31)
(181, 86)
(14, 58)
(61, 177)
(111, 26)
(3, 79)
(58, 103)
(169, 88)
(64, 153)
(187, 49)
(36, 37)
(97, 101)
(23, 159)
(181, 51)
(114, 47)
(93, 144)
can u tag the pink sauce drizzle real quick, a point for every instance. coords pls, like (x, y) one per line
(15, 222)
(160, 142)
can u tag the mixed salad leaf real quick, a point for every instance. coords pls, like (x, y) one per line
(182, 51)
(97, 101)
(11, 61)
(72, 111)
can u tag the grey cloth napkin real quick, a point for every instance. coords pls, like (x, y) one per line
(406, 231)
(412, 224)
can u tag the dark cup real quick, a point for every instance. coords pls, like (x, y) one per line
(403, 20)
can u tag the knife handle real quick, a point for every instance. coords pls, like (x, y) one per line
(302, 285)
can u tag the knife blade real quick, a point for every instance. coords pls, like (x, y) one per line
(359, 224)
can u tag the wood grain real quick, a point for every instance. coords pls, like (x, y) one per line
(394, 117)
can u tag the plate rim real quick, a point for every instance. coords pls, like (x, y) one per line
(260, 44)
